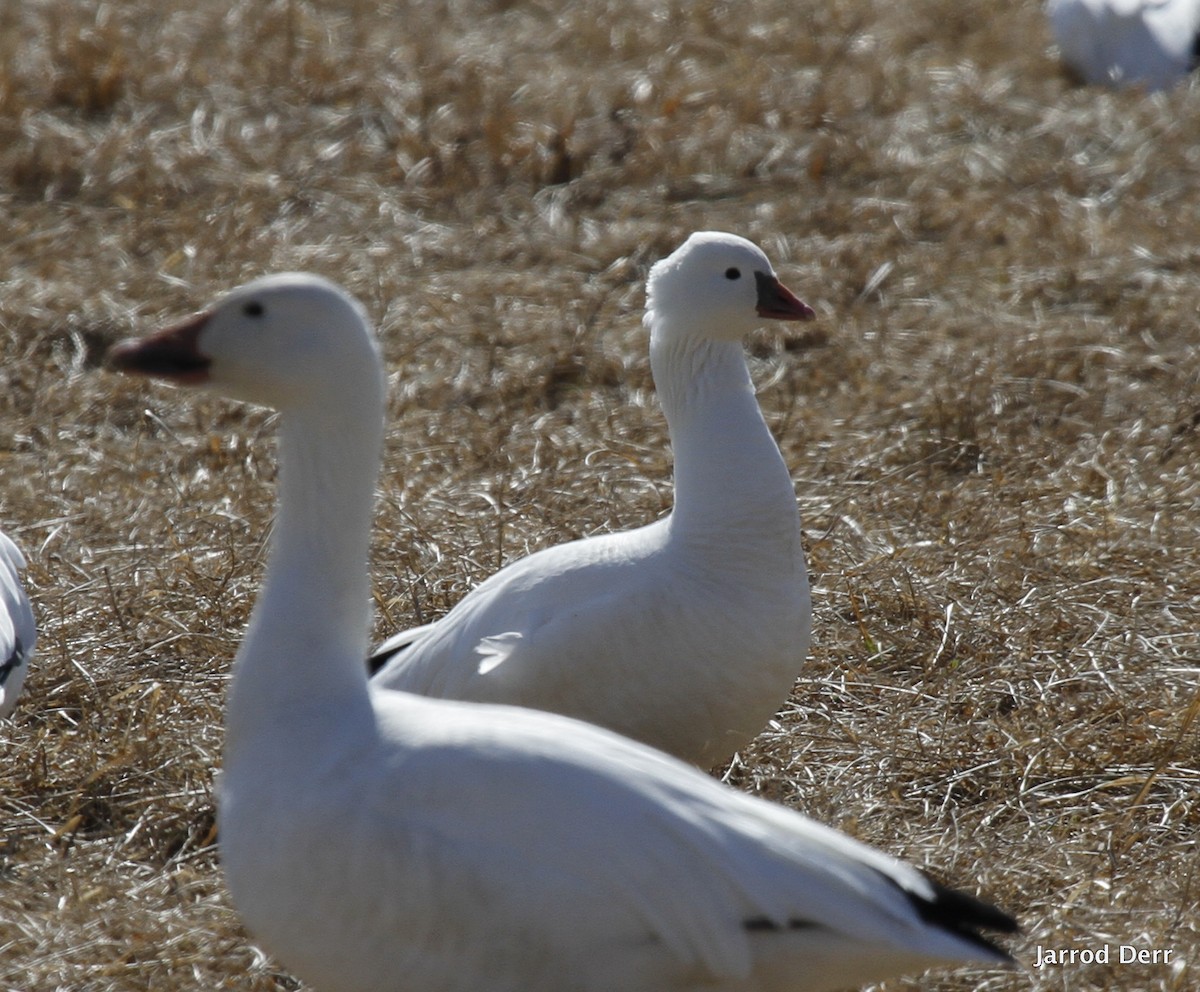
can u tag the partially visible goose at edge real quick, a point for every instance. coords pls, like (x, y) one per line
(18, 631)
(379, 841)
(686, 634)
(1152, 43)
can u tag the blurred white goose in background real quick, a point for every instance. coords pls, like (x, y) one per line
(686, 634)
(378, 841)
(18, 631)
(1127, 42)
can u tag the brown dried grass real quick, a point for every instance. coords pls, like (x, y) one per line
(994, 451)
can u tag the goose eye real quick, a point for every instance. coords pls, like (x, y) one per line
(733, 273)
(254, 309)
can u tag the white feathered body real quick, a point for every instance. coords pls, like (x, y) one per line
(1127, 42)
(721, 642)
(473, 847)
(686, 634)
(18, 631)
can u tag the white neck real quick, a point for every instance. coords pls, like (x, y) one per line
(731, 483)
(302, 660)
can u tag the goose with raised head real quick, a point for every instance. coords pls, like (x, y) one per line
(18, 630)
(688, 633)
(380, 841)
(1151, 43)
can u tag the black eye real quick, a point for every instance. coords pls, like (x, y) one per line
(733, 273)
(254, 309)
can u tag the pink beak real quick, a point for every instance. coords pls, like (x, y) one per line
(777, 302)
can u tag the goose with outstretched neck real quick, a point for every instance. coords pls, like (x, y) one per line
(688, 633)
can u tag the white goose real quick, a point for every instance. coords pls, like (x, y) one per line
(18, 631)
(379, 841)
(1127, 42)
(686, 634)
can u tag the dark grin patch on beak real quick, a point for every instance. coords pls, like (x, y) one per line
(777, 302)
(172, 354)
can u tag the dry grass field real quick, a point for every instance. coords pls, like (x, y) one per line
(994, 425)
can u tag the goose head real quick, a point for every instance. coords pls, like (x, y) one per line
(720, 287)
(282, 341)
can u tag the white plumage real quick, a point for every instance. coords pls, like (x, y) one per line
(378, 841)
(1127, 42)
(18, 631)
(686, 634)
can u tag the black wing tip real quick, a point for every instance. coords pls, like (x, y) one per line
(974, 911)
(378, 660)
(950, 909)
(963, 915)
